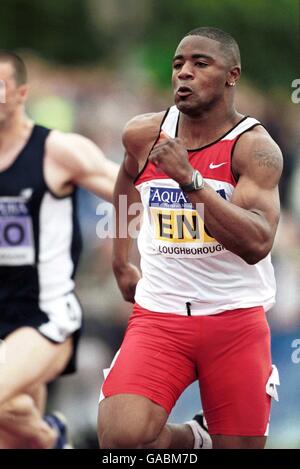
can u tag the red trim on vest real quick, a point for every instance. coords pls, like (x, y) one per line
(213, 162)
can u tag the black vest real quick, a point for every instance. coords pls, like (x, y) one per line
(22, 195)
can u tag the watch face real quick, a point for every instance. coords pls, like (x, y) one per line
(198, 180)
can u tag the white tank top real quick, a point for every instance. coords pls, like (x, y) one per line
(184, 269)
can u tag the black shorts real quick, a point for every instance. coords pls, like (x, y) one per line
(56, 320)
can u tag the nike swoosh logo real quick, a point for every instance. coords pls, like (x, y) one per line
(214, 166)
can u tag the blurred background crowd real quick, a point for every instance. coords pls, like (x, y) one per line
(93, 65)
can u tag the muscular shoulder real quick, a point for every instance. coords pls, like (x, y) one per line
(71, 150)
(140, 134)
(258, 154)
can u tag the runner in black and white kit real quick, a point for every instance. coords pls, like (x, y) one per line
(40, 317)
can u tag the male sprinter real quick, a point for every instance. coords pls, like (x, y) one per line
(40, 317)
(200, 303)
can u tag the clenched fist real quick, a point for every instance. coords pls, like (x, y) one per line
(171, 157)
(127, 277)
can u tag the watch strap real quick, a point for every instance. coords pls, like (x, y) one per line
(191, 186)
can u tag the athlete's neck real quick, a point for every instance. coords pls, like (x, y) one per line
(15, 130)
(198, 131)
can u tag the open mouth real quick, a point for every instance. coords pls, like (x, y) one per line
(184, 91)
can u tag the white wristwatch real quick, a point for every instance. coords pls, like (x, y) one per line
(196, 184)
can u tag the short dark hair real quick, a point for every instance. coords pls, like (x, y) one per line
(228, 43)
(20, 71)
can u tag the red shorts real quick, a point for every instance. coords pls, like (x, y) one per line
(229, 353)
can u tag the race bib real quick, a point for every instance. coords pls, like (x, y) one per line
(16, 233)
(178, 229)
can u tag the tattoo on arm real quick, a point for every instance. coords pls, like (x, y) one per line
(268, 159)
